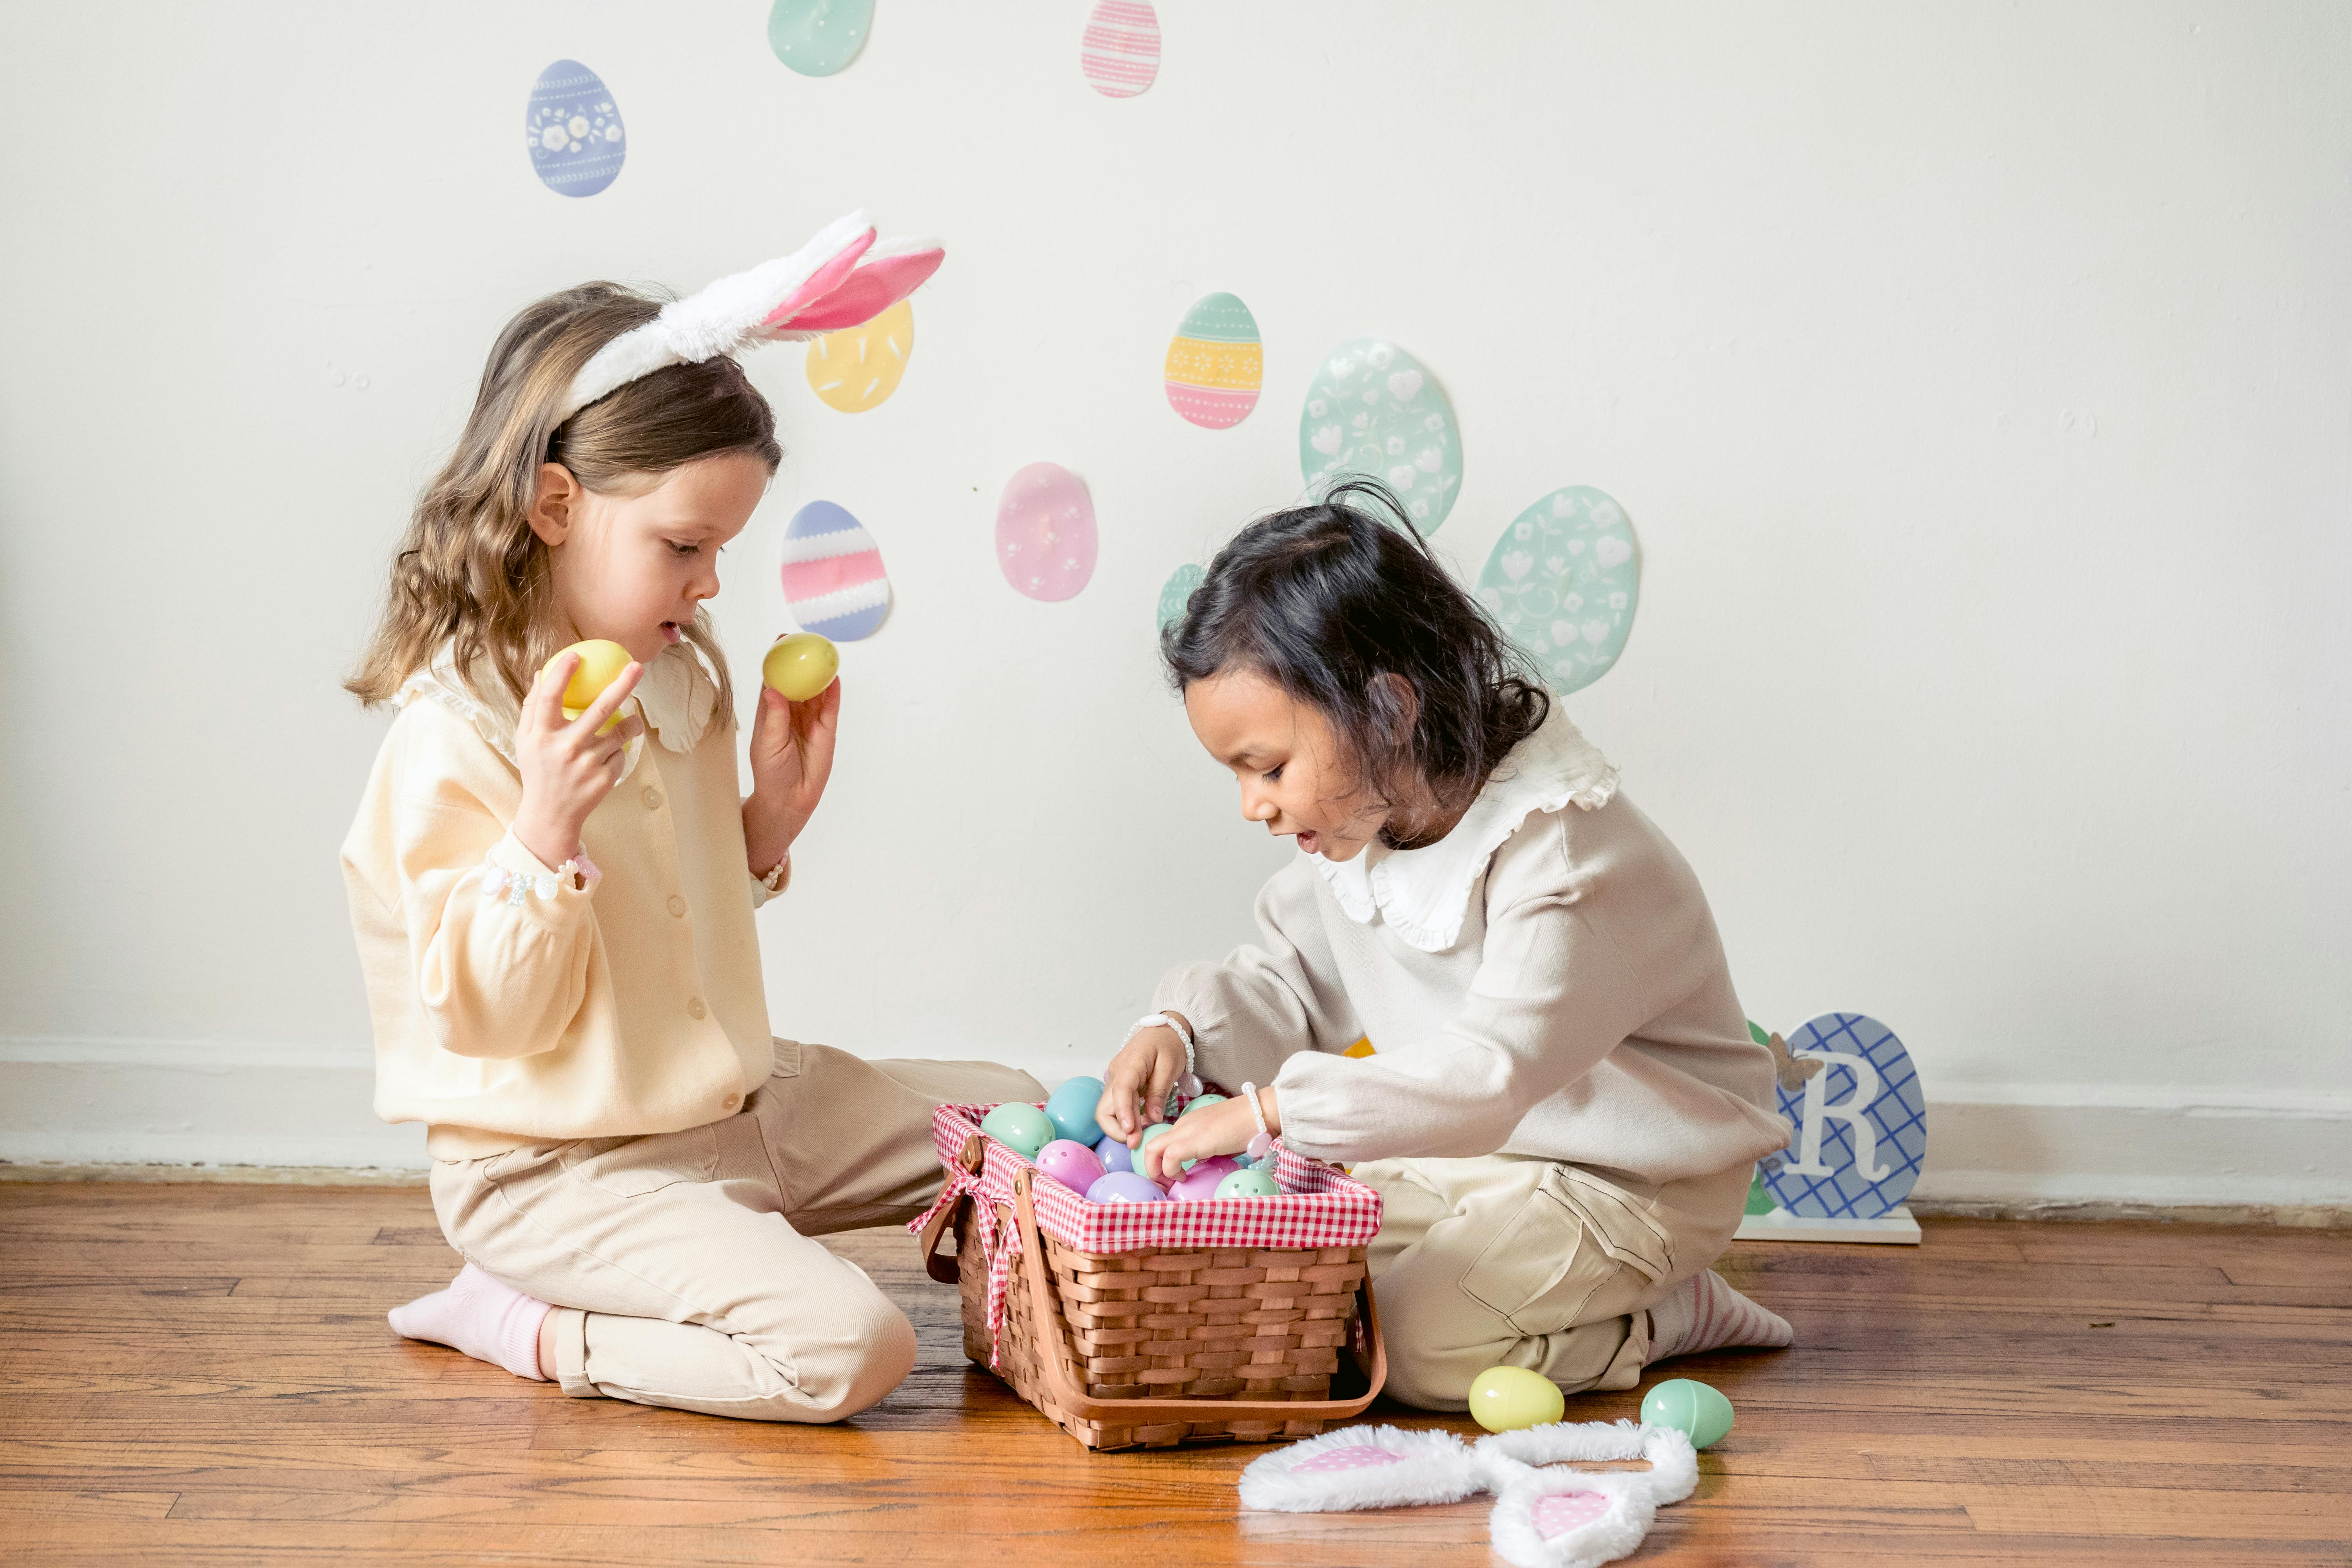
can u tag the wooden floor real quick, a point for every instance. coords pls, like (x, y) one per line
(202, 1375)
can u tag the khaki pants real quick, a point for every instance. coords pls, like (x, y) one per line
(681, 1263)
(1505, 1260)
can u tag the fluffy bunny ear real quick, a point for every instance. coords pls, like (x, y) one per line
(1560, 1518)
(725, 316)
(883, 275)
(1363, 1466)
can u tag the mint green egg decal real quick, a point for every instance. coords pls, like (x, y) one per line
(817, 38)
(1564, 580)
(1372, 409)
(1179, 588)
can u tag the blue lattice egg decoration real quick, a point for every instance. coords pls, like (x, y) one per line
(1862, 1122)
(577, 142)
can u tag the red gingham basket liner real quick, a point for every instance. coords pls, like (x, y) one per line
(1320, 1206)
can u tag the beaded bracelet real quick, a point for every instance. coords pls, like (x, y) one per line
(1263, 1144)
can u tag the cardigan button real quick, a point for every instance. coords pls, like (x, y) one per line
(676, 905)
(695, 1009)
(730, 1102)
(653, 798)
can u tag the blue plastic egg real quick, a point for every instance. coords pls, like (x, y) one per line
(1072, 1107)
(577, 141)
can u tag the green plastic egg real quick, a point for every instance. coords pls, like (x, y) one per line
(1699, 1412)
(1247, 1184)
(1206, 1099)
(1511, 1398)
(1023, 1128)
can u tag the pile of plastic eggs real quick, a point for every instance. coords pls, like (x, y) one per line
(1065, 1143)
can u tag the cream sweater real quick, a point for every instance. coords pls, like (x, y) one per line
(512, 1004)
(1546, 979)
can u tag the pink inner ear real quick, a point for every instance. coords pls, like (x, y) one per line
(820, 283)
(1352, 1457)
(1560, 1512)
(865, 294)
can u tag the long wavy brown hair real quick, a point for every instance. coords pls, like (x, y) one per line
(469, 572)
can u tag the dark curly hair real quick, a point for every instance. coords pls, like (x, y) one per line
(1325, 599)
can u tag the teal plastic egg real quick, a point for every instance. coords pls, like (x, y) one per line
(1512, 1398)
(1204, 1100)
(1698, 1412)
(1248, 1184)
(1023, 1128)
(1154, 1130)
(1072, 1109)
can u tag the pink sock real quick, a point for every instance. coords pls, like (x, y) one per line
(481, 1317)
(1707, 1314)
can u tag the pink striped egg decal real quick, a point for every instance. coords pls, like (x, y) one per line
(1121, 51)
(1045, 532)
(833, 582)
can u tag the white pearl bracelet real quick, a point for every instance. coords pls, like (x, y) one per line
(1263, 1144)
(1188, 1086)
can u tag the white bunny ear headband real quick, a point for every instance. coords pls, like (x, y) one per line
(840, 278)
(1542, 1518)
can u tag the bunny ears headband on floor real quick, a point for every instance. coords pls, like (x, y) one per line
(1542, 1518)
(840, 278)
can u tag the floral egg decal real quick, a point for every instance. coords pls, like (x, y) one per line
(1178, 592)
(857, 367)
(1119, 52)
(1564, 580)
(1045, 532)
(833, 582)
(577, 141)
(1215, 365)
(1373, 410)
(817, 38)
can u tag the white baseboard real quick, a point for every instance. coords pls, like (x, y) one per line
(87, 1102)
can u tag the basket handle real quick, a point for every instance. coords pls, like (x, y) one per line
(1072, 1398)
(945, 1269)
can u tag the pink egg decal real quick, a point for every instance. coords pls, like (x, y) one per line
(1119, 52)
(1045, 532)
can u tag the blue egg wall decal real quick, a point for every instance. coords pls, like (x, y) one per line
(817, 38)
(577, 141)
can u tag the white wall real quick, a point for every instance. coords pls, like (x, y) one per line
(1975, 377)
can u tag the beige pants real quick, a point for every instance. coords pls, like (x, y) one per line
(682, 1263)
(1509, 1261)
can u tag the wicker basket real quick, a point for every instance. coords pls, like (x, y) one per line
(1149, 1348)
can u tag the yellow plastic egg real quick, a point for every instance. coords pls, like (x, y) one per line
(601, 663)
(800, 666)
(1510, 1398)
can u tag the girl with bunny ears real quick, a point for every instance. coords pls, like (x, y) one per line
(555, 921)
(1564, 1106)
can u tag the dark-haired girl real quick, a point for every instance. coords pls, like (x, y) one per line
(1562, 1105)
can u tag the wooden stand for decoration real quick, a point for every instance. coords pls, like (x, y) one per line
(1897, 1226)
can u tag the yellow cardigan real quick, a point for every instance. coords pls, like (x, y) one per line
(513, 1006)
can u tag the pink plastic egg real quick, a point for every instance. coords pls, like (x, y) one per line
(1045, 532)
(1070, 1162)
(1200, 1183)
(1125, 1187)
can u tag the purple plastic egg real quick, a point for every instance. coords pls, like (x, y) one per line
(1200, 1182)
(1113, 1155)
(1125, 1187)
(1072, 1163)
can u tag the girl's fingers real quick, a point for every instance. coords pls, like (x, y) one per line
(610, 698)
(546, 703)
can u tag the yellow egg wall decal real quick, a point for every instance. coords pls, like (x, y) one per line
(857, 367)
(1215, 364)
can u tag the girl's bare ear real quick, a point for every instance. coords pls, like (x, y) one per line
(554, 503)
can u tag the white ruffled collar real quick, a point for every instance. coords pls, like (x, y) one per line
(676, 696)
(1424, 894)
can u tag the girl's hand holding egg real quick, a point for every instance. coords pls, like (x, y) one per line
(571, 755)
(1137, 1082)
(1225, 1127)
(793, 736)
